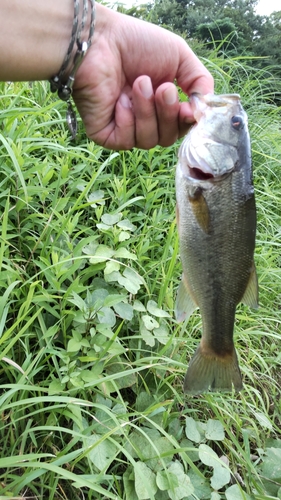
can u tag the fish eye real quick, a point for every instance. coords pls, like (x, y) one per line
(237, 122)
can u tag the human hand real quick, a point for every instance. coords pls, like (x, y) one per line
(124, 89)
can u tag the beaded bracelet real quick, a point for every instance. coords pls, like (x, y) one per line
(62, 83)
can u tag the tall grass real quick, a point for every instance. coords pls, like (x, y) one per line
(92, 361)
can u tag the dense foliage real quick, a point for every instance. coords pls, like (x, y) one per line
(229, 25)
(91, 359)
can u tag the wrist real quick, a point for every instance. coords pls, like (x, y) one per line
(106, 25)
(34, 38)
(80, 42)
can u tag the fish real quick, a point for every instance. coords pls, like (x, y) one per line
(216, 221)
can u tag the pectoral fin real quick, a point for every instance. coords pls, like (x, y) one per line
(200, 209)
(185, 305)
(250, 297)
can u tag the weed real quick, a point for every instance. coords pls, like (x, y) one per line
(92, 361)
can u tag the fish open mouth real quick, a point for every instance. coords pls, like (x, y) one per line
(199, 175)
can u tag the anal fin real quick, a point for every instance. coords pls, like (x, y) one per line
(250, 297)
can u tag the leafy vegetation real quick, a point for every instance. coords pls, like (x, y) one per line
(231, 26)
(92, 361)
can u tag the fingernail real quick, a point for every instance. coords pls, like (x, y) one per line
(146, 87)
(125, 101)
(170, 96)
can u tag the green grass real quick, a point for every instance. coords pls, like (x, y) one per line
(92, 360)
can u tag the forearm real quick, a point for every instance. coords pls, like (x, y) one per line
(34, 38)
(123, 90)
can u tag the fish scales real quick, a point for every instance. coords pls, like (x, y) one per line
(216, 218)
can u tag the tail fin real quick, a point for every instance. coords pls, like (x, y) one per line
(212, 372)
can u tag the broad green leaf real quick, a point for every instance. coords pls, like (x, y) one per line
(214, 430)
(119, 409)
(107, 316)
(161, 334)
(125, 311)
(159, 453)
(263, 420)
(271, 467)
(184, 488)
(123, 236)
(175, 428)
(145, 481)
(126, 225)
(162, 495)
(215, 496)
(236, 493)
(105, 421)
(155, 451)
(208, 456)
(77, 335)
(138, 306)
(55, 387)
(130, 280)
(153, 308)
(85, 343)
(110, 219)
(91, 248)
(191, 430)
(201, 485)
(201, 426)
(98, 295)
(113, 276)
(135, 445)
(192, 450)
(87, 375)
(100, 225)
(123, 380)
(166, 480)
(73, 345)
(143, 402)
(103, 453)
(104, 329)
(273, 443)
(102, 254)
(78, 301)
(220, 478)
(162, 480)
(111, 266)
(96, 197)
(113, 299)
(129, 485)
(146, 335)
(123, 253)
(149, 322)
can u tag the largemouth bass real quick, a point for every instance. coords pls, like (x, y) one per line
(216, 218)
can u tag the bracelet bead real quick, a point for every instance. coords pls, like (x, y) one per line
(62, 83)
